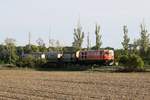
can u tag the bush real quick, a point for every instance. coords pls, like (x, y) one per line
(131, 62)
(136, 61)
(40, 62)
(123, 60)
(28, 61)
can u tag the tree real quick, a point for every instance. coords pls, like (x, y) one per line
(4, 54)
(136, 44)
(118, 53)
(40, 42)
(27, 49)
(131, 62)
(30, 48)
(58, 46)
(88, 41)
(11, 49)
(147, 60)
(126, 39)
(98, 37)
(51, 42)
(19, 50)
(78, 37)
(144, 40)
(41, 45)
(69, 49)
(28, 61)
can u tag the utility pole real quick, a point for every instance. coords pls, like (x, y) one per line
(29, 41)
(29, 38)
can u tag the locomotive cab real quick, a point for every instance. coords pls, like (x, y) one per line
(109, 57)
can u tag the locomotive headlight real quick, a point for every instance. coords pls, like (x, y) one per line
(59, 55)
(77, 54)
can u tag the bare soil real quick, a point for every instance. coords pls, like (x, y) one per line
(36, 85)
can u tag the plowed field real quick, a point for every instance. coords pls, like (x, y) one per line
(36, 85)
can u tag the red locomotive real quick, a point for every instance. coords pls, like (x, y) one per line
(96, 57)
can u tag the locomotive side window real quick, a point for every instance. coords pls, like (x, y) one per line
(101, 53)
(107, 53)
(84, 55)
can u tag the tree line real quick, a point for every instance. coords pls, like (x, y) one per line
(138, 50)
(12, 54)
(134, 54)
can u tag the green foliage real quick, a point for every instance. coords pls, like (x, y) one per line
(147, 57)
(144, 40)
(123, 60)
(131, 62)
(14, 56)
(10, 51)
(98, 37)
(69, 49)
(30, 48)
(93, 48)
(126, 39)
(118, 53)
(136, 61)
(28, 61)
(51, 49)
(88, 41)
(40, 63)
(78, 38)
(4, 54)
(136, 44)
(109, 48)
(42, 49)
(19, 50)
(41, 45)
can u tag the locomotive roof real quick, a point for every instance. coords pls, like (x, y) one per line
(96, 50)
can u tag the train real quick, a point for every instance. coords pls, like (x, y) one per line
(82, 57)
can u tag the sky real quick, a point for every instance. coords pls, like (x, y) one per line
(56, 19)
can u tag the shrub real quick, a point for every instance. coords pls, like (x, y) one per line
(40, 62)
(28, 61)
(131, 62)
(123, 60)
(136, 61)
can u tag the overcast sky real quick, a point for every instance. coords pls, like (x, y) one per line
(18, 17)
